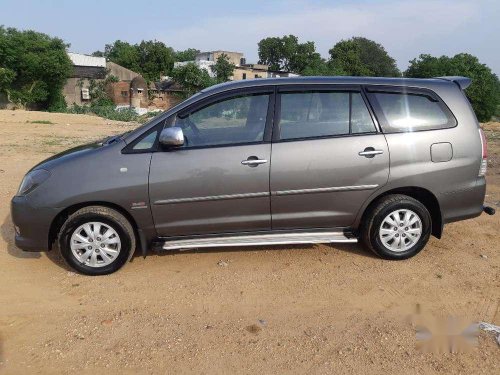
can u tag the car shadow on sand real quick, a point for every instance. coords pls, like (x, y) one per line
(7, 232)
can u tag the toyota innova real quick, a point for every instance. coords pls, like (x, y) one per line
(384, 161)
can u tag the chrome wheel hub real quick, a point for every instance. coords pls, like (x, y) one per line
(95, 244)
(400, 230)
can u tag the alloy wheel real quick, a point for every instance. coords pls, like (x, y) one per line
(400, 230)
(95, 244)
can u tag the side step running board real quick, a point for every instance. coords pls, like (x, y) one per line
(259, 239)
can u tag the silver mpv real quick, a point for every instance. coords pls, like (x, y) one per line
(387, 161)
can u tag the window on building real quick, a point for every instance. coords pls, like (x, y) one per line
(322, 114)
(406, 112)
(257, 76)
(139, 91)
(85, 94)
(244, 76)
(125, 94)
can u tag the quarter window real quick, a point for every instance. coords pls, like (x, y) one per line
(236, 120)
(147, 142)
(406, 112)
(320, 114)
(361, 121)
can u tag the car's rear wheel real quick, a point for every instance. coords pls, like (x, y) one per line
(397, 227)
(96, 240)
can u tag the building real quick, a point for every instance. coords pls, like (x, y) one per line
(235, 58)
(130, 90)
(202, 64)
(242, 70)
(85, 69)
(165, 94)
(250, 71)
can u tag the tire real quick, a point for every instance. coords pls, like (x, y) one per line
(390, 234)
(102, 237)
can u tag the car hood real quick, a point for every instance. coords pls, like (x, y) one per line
(73, 153)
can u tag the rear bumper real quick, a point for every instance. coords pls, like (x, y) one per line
(463, 204)
(31, 224)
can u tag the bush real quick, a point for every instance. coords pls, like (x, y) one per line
(33, 68)
(109, 112)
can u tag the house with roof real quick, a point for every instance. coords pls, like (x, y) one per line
(130, 89)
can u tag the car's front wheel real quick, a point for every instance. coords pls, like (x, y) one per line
(96, 240)
(397, 227)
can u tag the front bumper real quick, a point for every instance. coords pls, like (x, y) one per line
(32, 224)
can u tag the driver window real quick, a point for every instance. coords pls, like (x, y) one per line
(237, 120)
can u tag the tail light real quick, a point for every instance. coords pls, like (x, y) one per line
(484, 154)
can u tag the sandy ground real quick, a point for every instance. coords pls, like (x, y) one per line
(301, 309)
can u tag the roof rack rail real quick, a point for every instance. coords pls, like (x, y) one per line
(462, 82)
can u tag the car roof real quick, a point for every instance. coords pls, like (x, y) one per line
(413, 82)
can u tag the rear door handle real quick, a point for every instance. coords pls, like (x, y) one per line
(370, 152)
(253, 161)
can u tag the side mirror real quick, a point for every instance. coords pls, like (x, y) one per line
(172, 137)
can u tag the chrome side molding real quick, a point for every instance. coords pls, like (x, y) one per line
(265, 194)
(325, 190)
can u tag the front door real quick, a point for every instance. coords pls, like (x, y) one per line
(218, 182)
(327, 158)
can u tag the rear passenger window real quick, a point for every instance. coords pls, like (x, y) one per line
(320, 114)
(404, 112)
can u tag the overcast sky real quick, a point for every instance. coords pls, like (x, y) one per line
(405, 28)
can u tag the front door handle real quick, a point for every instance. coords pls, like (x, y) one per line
(253, 161)
(370, 152)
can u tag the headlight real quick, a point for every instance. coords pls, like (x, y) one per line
(32, 180)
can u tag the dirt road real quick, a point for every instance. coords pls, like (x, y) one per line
(301, 309)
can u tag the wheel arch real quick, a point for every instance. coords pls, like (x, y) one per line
(426, 197)
(61, 217)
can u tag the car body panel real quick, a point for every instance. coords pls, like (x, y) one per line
(324, 182)
(94, 174)
(208, 190)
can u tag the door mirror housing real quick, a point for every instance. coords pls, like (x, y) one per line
(172, 137)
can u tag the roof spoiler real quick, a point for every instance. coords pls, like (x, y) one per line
(462, 82)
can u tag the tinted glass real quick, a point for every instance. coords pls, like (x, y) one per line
(147, 142)
(237, 120)
(412, 112)
(318, 114)
(361, 121)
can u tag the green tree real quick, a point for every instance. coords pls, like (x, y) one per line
(345, 57)
(124, 54)
(155, 59)
(192, 78)
(376, 58)
(483, 93)
(186, 55)
(288, 54)
(6, 78)
(223, 68)
(150, 58)
(34, 67)
(359, 56)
